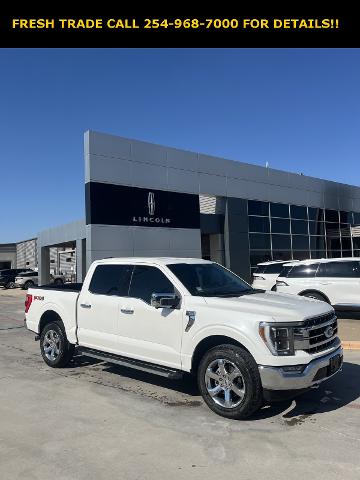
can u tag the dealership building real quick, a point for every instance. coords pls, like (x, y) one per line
(150, 200)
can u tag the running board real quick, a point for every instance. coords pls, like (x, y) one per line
(171, 373)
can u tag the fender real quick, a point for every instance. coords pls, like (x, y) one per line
(69, 323)
(190, 344)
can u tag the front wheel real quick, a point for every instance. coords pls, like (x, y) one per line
(10, 285)
(54, 346)
(229, 382)
(28, 284)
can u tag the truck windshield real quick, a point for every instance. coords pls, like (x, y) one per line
(209, 280)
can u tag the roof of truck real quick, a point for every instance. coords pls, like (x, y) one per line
(156, 260)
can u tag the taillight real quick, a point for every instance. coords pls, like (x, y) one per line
(28, 301)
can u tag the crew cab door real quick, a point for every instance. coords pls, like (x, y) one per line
(99, 307)
(147, 333)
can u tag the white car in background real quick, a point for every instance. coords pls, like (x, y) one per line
(333, 280)
(266, 274)
(26, 280)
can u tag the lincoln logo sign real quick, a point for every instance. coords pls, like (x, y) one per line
(151, 208)
(108, 204)
(151, 203)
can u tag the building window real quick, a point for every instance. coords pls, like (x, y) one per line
(259, 242)
(299, 227)
(331, 216)
(300, 242)
(316, 214)
(298, 212)
(279, 210)
(259, 224)
(280, 225)
(281, 242)
(258, 208)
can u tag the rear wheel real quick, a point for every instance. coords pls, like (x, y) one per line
(28, 284)
(229, 382)
(54, 346)
(315, 295)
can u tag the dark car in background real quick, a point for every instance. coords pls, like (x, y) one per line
(7, 276)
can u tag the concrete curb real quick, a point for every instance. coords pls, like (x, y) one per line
(351, 345)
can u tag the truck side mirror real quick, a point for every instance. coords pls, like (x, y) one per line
(164, 300)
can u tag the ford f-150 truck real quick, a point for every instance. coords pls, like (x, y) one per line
(171, 316)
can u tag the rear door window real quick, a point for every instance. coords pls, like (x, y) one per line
(260, 269)
(303, 271)
(111, 280)
(274, 268)
(339, 269)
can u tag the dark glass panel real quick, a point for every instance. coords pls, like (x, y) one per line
(346, 217)
(258, 208)
(279, 210)
(316, 213)
(300, 242)
(298, 212)
(317, 243)
(259, 224)
(301, 255)
(333, 243)
(356, 242)
(318, 254)
(282, 255)
(258, 257)
(346, 243)
(356, 218)
(281, 242)
(334, 253)
(316, 228)
(332, 216)
(259, 241)
(279, 225)
(332, 229)
(299, 226)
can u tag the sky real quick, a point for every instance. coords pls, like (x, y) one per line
(298, 110)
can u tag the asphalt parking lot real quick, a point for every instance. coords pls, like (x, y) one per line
(94, 421)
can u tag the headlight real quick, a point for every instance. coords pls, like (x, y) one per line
(279, 338)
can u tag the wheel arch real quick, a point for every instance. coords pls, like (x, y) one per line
(313, 290)
(208, 343)
(47, 317)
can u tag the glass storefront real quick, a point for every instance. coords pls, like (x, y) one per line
(285, 232)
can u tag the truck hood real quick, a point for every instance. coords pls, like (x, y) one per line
(281, 307)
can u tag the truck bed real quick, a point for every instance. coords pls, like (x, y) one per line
(65, 287)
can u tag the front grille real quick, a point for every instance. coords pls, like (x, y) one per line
(311, 336)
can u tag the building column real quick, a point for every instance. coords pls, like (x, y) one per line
(44, 265)
(236, 237)
(80, 260)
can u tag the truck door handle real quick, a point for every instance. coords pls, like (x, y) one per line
(85, 305)
(127, 310)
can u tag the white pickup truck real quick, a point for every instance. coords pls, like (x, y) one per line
(171, 316)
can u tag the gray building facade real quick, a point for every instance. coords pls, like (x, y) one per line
(150, 200)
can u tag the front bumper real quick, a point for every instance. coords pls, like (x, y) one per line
(318, 370)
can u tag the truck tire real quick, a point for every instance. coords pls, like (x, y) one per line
(229, 382)
(28, 284)
(54, 346)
